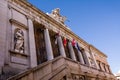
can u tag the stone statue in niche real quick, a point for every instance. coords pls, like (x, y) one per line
(19, 40)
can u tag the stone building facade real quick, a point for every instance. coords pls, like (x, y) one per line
(117, 75)
(39, 46)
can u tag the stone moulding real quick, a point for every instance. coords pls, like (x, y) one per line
(17, 53)
(13, 21)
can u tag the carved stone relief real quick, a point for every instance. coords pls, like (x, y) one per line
(18, 40)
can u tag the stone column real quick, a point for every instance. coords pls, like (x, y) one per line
(80, 57)
(32, 48)
(61, 47)
(109, 69)
(86, 57)
(71, 51)
(48, 45)
(106, 67)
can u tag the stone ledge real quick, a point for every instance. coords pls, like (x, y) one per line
(17, 53)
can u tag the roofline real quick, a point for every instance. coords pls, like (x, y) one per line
(98, 50)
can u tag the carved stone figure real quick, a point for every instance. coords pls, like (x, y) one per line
(19, 40)
(56, 15)
(56, 12)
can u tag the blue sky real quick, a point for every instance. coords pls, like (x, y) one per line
(95, 21)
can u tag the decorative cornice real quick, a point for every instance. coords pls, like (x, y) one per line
(97, 50)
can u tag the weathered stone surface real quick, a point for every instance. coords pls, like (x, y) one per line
(19, 17)
(19, 60)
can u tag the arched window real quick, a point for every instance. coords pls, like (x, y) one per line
(18, 40)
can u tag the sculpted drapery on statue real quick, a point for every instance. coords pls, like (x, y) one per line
(18, 40)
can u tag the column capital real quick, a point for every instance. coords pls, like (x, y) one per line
(30, 18)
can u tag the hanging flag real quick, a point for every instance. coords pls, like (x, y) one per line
(78, 47)
(64, 42)
(73, 42)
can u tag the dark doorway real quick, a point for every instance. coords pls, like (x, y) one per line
(40, 43)
(55, 46)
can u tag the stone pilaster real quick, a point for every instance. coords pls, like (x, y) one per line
(48, 45)
(32, 48)
(96, 65)
(61, 47)
(3, 28)
(101, 65)
(84, 53)
(71, 51)
(95, 61)
(109, 69)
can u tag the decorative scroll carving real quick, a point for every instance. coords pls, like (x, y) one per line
(56, 15)
(77, 77)
(19, 40)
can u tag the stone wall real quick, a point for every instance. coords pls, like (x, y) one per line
(3, 27)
